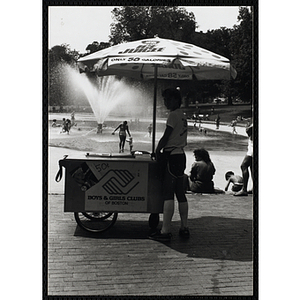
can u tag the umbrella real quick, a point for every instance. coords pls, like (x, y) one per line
(157, 58)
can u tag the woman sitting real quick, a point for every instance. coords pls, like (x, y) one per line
(201, 175)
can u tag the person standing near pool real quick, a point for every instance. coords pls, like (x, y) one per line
(247, 163)
(122, 135)
(218, 121)
(149, 130)
(172, 143)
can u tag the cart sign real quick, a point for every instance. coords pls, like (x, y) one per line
(113, 186)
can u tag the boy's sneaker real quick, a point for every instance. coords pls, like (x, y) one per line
(184, 232)
(158, 236)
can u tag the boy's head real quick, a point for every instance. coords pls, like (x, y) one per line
(172, 98)
(228, 174)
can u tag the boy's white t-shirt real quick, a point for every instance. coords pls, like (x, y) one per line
(178, 137)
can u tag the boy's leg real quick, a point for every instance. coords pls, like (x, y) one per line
(245, 172)
(168, 210)
(167, 216)
(183, 211)
(182, 202)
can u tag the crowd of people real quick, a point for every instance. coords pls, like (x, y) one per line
(66, 124)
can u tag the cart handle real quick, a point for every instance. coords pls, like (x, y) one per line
(59, 173)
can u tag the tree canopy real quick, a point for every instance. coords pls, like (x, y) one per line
(140, 22)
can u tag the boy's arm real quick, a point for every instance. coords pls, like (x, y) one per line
(128, 131)
(164, 139)
(228, 183)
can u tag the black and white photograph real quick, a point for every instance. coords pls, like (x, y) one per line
(150, 124)
(127, 130)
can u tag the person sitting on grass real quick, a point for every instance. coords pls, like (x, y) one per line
(201, 175)
(54, 123)
(236, 180)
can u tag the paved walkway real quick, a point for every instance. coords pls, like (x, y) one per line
(216, 260)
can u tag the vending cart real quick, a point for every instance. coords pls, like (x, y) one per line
(99, 186)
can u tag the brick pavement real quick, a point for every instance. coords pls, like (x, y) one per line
(216, 260)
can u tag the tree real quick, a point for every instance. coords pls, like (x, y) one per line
(62, 53)
(58, 57)
(171, 22)
(237, 45)
(216, 41)
(140, 22)
(242, 54)
(95, 46)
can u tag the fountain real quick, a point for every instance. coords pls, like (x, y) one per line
(107, 94)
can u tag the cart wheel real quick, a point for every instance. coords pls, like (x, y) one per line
(153, 221)
(97, 215)
(95, 222)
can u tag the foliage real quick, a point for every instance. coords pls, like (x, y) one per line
(62, 53)
(140, 22)
(242, 47)
(96, 46)
(58, 57)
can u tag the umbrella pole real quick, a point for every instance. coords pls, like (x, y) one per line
(154, 109)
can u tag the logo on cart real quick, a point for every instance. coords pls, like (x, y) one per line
(119, 182)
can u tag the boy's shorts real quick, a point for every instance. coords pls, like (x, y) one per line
(173, 175)
(237, 187)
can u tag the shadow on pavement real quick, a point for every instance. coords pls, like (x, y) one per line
(211, 237)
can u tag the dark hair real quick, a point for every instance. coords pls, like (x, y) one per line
(172, 93)
(228, 174)
(203, 154)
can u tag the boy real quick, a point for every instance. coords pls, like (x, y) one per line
(130, 142)
(236, 180)
(172, 142)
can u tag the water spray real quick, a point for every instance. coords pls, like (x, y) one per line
(108, 94)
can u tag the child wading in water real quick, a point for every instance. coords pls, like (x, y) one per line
(130, 142)
(122, 135)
